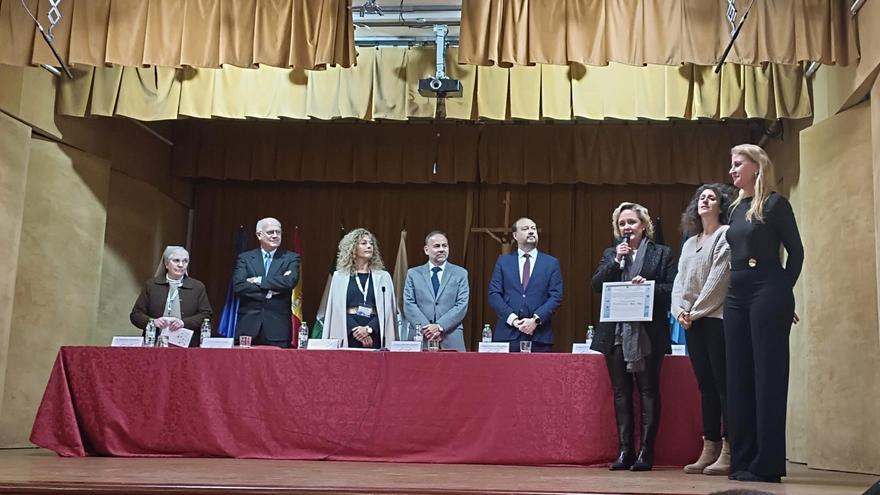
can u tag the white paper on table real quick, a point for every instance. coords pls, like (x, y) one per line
(626, 301)
(127, 341)
(679, 350)
(217, 343)
(499, 347)
(179, 337)
(323, 344)
(405, 346)
(583, 348)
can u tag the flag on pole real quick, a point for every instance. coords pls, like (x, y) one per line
(401, 265)
(318, 327)
(229, 314)
(296, 314)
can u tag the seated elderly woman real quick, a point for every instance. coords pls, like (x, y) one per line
(361, 307)
(171, 299)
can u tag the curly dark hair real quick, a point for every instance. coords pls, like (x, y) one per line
(690, 219)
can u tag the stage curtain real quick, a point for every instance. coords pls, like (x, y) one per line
(384, 86)
(606, 153)
(637, 32)
(175, 33)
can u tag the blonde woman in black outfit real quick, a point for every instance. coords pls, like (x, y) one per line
(758, 316)
(634, 350)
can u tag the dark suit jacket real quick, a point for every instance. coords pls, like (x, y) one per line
(256, 314)
(194, 305)
(542, 297)
(659, 266)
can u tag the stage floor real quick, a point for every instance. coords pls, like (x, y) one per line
(36, 471)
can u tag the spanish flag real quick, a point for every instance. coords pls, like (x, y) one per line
(296, 313)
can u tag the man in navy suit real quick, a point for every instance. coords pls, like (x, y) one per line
(263, 280)
(525, 291)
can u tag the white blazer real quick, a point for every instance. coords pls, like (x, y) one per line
(335, 316)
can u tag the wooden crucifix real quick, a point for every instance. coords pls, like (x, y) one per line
(500, 234)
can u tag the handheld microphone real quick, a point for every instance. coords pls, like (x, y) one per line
(381, 323)
(623, 258)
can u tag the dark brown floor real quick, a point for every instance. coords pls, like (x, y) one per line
(33, 471)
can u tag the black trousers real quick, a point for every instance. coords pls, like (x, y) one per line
(705, 341)
(648, 384)
(757, 322)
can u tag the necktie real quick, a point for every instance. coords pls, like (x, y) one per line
(435, 279)
(267, 260)
(527, 270)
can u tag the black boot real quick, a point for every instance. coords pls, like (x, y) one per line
(623, 415)
(624, 460)
(650, 421)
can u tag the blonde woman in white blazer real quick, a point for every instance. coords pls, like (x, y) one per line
(361, 307)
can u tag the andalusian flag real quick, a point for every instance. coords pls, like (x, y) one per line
(296, 312)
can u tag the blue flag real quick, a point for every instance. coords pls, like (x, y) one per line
(229, 315)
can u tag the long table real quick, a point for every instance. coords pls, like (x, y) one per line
(524, 409)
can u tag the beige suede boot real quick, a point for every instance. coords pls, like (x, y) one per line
(722, 464)
(708, 456)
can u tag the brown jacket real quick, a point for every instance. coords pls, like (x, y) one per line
(194, 305)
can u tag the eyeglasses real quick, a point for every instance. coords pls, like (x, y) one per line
(273, 232)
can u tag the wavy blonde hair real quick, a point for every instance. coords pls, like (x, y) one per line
(763, 184)
(641, 212)
(345, 256)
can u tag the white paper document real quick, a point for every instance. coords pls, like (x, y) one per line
(323, 344)
(405, 346)
(127, 341)
(179, 337)
(494, 347)
(217, 343)
(626, 301)
(583, 348)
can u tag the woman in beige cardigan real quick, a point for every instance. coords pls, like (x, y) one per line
(361, 307)
(698, 302)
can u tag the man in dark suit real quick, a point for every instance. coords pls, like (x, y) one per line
(436, 295)
(525, 291)
(263, 280)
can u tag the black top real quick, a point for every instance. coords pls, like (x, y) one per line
(761, 240)
(353, 298)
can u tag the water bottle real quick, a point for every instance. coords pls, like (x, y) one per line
(416, 332)
(487, 333)
(205, 332)
(589, 333)
(302, 340)
(150, 334)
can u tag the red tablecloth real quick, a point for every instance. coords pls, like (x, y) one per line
(348, 405)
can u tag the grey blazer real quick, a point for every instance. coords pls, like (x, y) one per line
(447, 309)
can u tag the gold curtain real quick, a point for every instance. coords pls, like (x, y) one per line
(176, 33)
(668, 32)
(448, 153)
(383, 86)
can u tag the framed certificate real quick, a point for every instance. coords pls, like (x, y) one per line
(626, 301)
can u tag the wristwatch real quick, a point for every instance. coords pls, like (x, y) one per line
(537, 319)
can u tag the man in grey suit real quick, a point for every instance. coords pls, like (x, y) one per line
(436, 295)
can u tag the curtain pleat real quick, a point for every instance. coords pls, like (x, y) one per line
(420, 63)
(591, 153)
(385, 87)
(309, 34)
(164, 34)
(461, 108)
(637, 32)
(154, 93)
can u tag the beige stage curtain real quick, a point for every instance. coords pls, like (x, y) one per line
(176, 33)
(595, 153)
(668, 32)
(383, 86)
